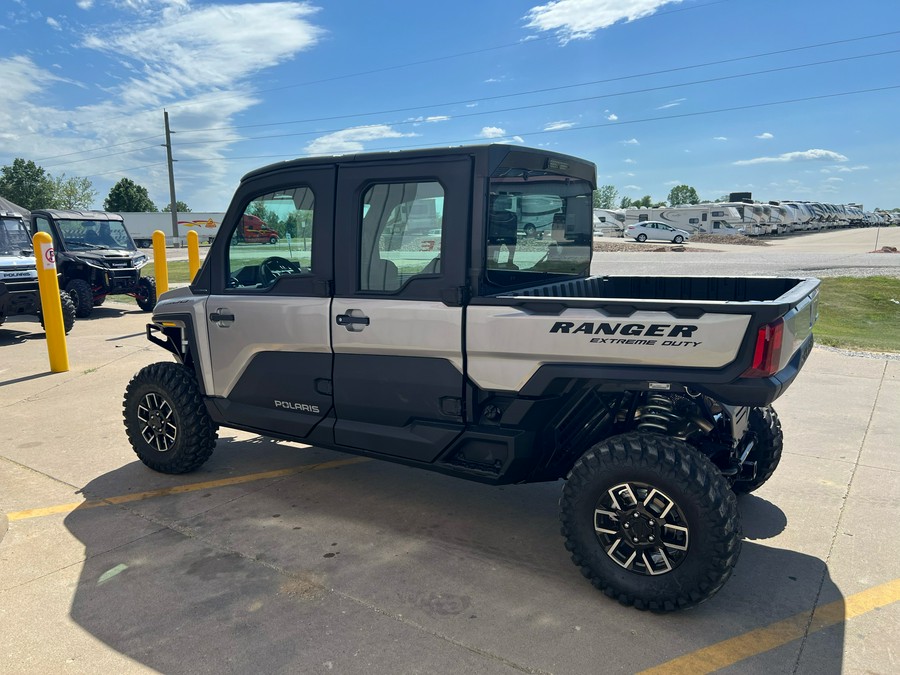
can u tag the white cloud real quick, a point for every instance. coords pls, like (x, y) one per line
(352, 139)
(437, 118)
(85, 4)
(720, 138)
(834, 179)
(53, 23)
(765, 136)
(848, 169)
(673, 183)
(806, 155)
(557, 126)
(492, 132)
(612, 117)
(580, 19)
(672, 104)
(630, 161)
(631, 141)
(517, 139)
(632, 187)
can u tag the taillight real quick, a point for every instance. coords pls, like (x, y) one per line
(767, 353)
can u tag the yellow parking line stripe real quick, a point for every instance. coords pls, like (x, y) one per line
(728, 652)
(180, 489)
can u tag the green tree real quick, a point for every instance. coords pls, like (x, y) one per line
(626, 202)
(683, 194)
(644, 202)
(180, 207)
(126, 195)
(73, 193)
(28, 185)
(605, 197)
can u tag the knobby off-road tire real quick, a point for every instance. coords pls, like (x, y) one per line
(669, 497)
(165, 419)
(82, 296)
(767, 450)
(146, 293)
(68, 312)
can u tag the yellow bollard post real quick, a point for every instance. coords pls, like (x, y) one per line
(193, 240)
(161, 269)
(54, 328)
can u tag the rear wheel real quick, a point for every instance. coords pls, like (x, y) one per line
(641, 238)
(82, 296)
(166, 420)
(146, 293)
(68, 312)
(651, 522)
(767, 448)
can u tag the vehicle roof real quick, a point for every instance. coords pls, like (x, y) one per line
(61, 214)
(493, 153)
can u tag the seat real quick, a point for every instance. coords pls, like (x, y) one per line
(383, 275)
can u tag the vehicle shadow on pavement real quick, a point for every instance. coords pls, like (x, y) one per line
(284, 575)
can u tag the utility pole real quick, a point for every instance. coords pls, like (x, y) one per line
(172, 207)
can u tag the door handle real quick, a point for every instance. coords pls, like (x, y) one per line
(222, 316)
(353, 322)
(347, 320)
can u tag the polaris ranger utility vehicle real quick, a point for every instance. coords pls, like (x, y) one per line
(486, 355)
(19, 291)
(95, 257)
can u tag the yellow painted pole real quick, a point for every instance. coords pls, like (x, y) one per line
(160, 267)
(193, 240)
(51, 308)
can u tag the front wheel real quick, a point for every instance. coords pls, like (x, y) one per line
(82, 296)
(146, 293)
(273, 240)
(651, 522)
(678, 239)
(165, 419)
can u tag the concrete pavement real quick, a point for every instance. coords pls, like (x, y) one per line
(277, 557)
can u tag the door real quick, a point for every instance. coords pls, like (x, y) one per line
(397, 316)
(267, 314)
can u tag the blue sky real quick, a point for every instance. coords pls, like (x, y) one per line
(655, 92)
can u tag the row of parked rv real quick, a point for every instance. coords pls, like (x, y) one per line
(743, 217)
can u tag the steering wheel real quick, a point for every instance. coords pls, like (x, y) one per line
(275, 266)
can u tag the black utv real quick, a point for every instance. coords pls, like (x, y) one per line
(96, 257)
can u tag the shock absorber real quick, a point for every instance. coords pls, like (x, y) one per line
(656, 414)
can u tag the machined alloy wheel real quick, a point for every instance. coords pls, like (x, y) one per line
(642, 238)
(678, 239)
(641, 528)
(650, 521)
(157, 422)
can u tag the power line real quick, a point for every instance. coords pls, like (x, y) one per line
(568, 101)
(511, 109)
(557, 88)
(111, 154)
(589, 126)
(500, 96)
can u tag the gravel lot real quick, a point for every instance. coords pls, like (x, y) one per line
(819, 254)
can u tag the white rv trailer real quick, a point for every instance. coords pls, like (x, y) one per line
(609, 222)
(800, 215)
(754, 221)
(693, 218)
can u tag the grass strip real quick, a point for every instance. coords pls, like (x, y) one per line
(859, 313)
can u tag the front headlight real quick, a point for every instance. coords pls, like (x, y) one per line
(140, 261)
(91, 262)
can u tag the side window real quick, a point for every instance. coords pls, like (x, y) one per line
(643, 217)
(273, 238)
(693, 221)
(43, 225)
(400, 234)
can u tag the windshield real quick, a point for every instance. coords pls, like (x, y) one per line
(13, 237)
(538, 223)
(95, 234)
